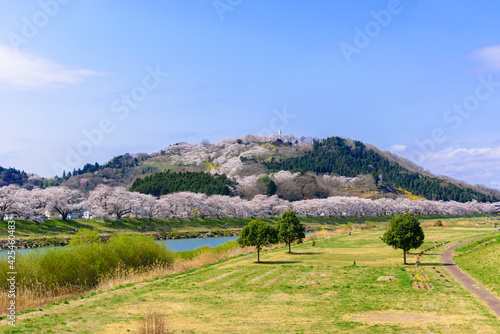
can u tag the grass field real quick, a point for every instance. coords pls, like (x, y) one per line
(483, 264)
(313, 290)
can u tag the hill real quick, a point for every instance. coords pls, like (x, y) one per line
(292, 168)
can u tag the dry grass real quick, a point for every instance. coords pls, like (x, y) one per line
(153, 323)
(37, 295)
(317, 235)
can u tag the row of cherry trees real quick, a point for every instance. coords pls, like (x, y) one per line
(116, 203)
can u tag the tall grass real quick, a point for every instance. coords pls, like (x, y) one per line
(83, 266)
(50, 275)
(153, 323)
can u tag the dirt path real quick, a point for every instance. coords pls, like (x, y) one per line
(468, 282)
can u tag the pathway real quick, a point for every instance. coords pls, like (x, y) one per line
(468, 282)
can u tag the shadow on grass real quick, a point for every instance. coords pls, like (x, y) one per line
(279, 262)
(306, 253)
(432, 264)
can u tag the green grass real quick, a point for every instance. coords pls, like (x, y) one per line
(313, 290)
(474, 243)
(483, 263)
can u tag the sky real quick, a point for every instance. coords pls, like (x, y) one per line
(83, 81)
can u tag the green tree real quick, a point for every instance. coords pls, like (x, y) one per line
(290, 229)
(257, 233)
(404, 233)
(268, 185)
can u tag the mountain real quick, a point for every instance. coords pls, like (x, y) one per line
(290, 167)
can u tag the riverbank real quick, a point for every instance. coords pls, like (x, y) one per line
(63, 241)
(31, 234)
(22, 243)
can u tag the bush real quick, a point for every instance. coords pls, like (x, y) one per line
(438, 223)
(85, 236)
(84, 265)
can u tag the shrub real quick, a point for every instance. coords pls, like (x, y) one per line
(84, 265)
(85, 236)
(438, 223)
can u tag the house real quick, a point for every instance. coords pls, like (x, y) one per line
(12, 216)
(87, 214)
(75, 215)
(51, 214)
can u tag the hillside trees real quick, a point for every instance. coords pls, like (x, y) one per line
(337, 156)
(196, 182)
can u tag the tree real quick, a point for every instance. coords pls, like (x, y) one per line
(111, 202)
(290, 229)
(257, 233)
(7, 200)
(404, 233)
(64, 201)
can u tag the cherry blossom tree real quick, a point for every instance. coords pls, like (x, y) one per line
(111, 202)
(7, 200)
(64, 200)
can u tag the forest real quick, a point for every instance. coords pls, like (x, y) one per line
(197, 182)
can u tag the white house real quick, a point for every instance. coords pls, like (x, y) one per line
(51, 214)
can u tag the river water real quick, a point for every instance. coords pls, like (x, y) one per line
(175, 245)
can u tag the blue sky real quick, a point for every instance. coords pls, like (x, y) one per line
(82, 81)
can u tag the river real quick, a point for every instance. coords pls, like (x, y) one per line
(175, 244)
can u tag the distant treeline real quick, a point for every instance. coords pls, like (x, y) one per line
(120, 161)
(12, 176)
(197, 182)
(334, 156)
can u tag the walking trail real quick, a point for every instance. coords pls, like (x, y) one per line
(468, 282)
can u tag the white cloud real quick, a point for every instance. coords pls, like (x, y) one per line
(397, 148)
(20, 70)
(473, 165)
(489, 57)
